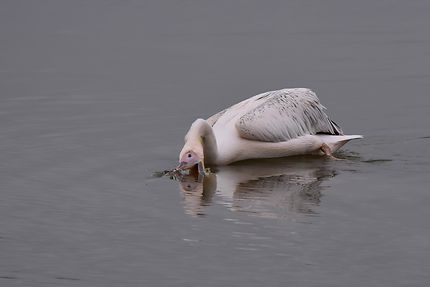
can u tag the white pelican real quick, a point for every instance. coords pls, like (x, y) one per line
(269, 125)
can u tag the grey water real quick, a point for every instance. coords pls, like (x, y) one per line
(96, 96)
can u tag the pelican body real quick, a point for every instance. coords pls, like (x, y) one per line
(273, 124)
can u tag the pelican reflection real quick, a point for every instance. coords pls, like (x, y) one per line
(266, 188)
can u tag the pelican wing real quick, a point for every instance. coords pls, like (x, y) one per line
(214, 118)
(285, 114)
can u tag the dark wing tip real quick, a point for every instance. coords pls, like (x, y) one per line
(336, 128)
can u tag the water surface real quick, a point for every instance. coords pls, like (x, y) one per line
(96, 96)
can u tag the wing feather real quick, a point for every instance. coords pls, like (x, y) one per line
(214, 118)
(286, 114)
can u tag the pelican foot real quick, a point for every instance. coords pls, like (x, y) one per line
(327, 151)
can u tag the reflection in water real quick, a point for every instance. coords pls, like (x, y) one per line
(266, 188)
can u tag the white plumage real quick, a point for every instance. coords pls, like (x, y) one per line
(273, 124)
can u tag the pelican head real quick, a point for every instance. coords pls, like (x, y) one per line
(196, 147)
(190, 159)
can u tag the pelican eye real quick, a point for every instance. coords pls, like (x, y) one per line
(189, 155)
